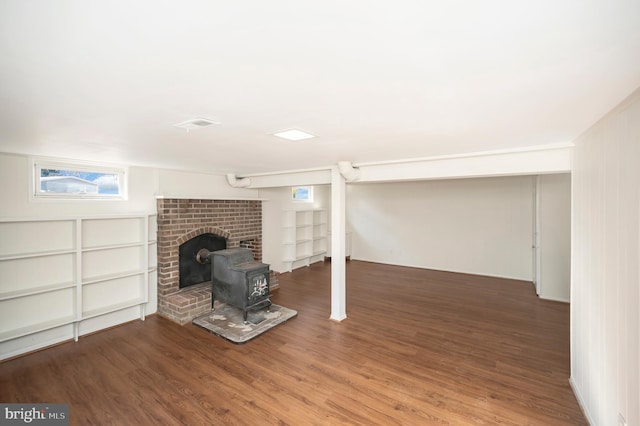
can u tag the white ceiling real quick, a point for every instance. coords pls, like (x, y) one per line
(375, 80)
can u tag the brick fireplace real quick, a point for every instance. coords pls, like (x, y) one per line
(179, 220)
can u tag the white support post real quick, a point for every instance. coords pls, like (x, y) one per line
(78, 273)
(536, 236)
(338, 253)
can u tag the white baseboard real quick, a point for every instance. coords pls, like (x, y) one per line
(555, 299)
(581, 403)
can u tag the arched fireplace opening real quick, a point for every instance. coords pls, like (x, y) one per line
(194, 267)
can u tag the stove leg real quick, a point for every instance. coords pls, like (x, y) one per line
(244, 316)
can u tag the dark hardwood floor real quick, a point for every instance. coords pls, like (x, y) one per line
(419, 347)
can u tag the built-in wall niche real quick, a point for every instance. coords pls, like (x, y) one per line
(28, 237)
(304, 234)
(41, 273)
(54, 308)
(97, 233)
(100, 264)
(98, 296)
(58, 273)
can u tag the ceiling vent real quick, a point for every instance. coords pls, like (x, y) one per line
(196, 123)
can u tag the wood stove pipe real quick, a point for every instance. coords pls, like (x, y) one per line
(349, 172)
(233, 181)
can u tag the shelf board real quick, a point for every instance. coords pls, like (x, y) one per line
(108, 277)
(298, 258)
(112, 308)
(112, 246)
(36, 254)
(35, 328)
(36, 290)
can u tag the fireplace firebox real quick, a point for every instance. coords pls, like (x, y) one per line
(194, 267)
(239, 280)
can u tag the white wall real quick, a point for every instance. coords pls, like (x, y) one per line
(144, 184)
(480, 226)
(15, 171)
(181, 184)
(605, 296)
(554, 209)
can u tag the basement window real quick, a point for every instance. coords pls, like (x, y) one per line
(302, 193)
(78, 181)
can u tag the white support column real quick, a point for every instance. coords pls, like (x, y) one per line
(338, 253)
(536, 236)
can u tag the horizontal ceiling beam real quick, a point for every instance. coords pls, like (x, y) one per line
(531, 161)
(556, 159)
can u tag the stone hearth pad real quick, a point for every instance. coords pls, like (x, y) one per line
(226, 321)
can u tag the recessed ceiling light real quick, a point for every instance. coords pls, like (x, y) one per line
(196, 123)
(294, 135)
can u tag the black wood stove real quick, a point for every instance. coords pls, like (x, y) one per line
(239, 280)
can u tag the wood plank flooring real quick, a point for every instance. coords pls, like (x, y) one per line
(419, 347)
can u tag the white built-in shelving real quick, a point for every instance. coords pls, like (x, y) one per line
(304, 237)
(60, 272)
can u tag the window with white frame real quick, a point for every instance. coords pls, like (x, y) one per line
(302, 193)
(57, 179)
